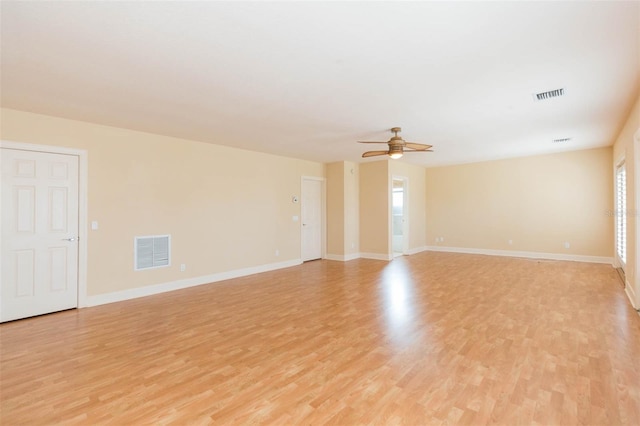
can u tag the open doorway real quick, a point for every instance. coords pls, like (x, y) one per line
(398, 216)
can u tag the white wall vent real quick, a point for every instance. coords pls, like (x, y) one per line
(549, 94)
(152, 252)
(561, 140)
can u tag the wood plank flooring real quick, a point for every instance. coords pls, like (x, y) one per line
(432, 338)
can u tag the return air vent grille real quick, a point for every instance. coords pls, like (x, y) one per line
(152, 252)
(561, 140)
(549, 95)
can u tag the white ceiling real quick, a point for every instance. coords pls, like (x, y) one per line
(308, 79)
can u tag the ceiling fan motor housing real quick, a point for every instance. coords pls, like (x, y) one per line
(395, 149)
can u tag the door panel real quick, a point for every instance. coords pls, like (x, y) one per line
(311, 219)
(58, 268)
(23, 263)
(58, 202)
(39, 233)
(25, 209)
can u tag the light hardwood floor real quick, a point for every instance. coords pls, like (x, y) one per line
(433, 338)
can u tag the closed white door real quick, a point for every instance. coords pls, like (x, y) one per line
(39, 229)
(311, 219)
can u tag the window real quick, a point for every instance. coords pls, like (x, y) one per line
(621, 214)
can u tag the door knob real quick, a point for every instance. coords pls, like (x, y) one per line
(72, 239)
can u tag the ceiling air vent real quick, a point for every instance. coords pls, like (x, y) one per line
(561, 140)
(542, 96)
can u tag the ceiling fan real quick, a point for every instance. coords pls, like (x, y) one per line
(397, 146)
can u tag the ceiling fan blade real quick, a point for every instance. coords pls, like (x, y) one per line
(372, 142)
(417, 146)
(374, 153)
(418, 150)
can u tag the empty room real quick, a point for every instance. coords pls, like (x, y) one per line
(315, 213)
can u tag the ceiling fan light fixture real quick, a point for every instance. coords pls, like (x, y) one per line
(395, 151)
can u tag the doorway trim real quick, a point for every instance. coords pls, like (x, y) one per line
(82, 204)
(323, 220)
(405, 214)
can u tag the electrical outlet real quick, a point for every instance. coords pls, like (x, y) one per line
(277, 252)
(183, 267)
(510, 242)
(567, 244)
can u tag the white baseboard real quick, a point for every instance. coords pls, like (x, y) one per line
(134, 293)
(376, 256)
(416, 250)
(342, 258)
(630, 294)
(525, 254)
(337, 257)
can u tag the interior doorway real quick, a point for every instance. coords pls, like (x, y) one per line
(399, 216)
(312, 212)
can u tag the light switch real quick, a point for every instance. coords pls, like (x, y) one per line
(295, 218)
(94, 225)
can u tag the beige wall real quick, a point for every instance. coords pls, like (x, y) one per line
(374, 208)
(537, 202)
(351, 208)
(225, 208)
(625, 148)
(416, 196)
(343, 229)
(335, 209)
(229, 209)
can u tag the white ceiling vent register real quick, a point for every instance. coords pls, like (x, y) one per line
(152, 252)
(561, 140)
(542, 96)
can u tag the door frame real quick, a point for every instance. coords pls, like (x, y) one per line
(323, 207)
(82, 204)
(405, 214)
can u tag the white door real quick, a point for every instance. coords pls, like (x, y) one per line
(311, 219)
(39, 233)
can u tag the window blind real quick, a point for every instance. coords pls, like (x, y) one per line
(621, 214)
